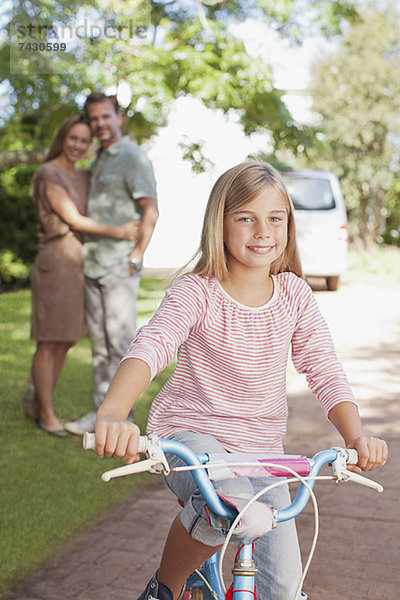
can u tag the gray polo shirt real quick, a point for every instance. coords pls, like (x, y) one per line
(120, 175)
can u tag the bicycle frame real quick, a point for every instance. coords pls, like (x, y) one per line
(208, 572)
(244, 571)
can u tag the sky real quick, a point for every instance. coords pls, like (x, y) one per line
(183, 195)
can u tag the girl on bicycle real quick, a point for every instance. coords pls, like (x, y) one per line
(232, 320)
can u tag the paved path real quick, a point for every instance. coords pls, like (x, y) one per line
(358, 553)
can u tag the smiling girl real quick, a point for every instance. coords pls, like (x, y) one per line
(233, 321)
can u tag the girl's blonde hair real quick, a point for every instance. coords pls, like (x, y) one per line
(235, 188)
(58, 142)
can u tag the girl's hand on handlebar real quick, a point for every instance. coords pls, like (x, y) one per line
(372, 453)
(117, 438)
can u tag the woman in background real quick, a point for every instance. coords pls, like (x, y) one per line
(57, 281)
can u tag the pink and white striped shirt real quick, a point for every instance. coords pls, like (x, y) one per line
(230, 378)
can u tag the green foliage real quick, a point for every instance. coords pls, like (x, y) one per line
(296, 19)
(277, 162)
(163, 50)
(51, 488)
(11, 267)
(355, 92)
(391, 232)
(193, 151)
(160, 50)
(382, 262)
(18, 244)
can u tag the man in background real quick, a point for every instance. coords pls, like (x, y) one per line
(122, 188)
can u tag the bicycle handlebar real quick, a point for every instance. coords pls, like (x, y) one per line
(157, 463)
(89, 442)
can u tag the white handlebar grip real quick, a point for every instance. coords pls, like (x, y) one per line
(143, 444)
(89, 441)
(353, 456)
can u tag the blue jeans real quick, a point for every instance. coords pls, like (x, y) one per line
(277, 554)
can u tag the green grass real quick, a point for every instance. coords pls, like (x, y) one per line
(380, 263)
(51, 488)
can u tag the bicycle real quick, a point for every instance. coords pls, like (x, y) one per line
(204, 467)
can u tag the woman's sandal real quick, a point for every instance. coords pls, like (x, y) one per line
(57, 432)
(27, 406)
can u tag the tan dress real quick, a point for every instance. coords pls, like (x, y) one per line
(57, 281)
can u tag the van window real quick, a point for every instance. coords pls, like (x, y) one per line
(310, 194)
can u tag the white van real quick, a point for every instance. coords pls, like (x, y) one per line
(321, 223)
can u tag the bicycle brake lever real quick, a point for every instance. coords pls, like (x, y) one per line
(156, 463)
(152, 465)
(150, 445)
(357, 478)
(339, 465)
(341, 473)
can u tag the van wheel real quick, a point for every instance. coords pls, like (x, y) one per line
(333, 283)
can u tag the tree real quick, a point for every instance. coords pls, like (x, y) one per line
(355, 91)
(158, 49)
(161, 49)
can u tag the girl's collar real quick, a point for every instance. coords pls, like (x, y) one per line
(244, 306)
